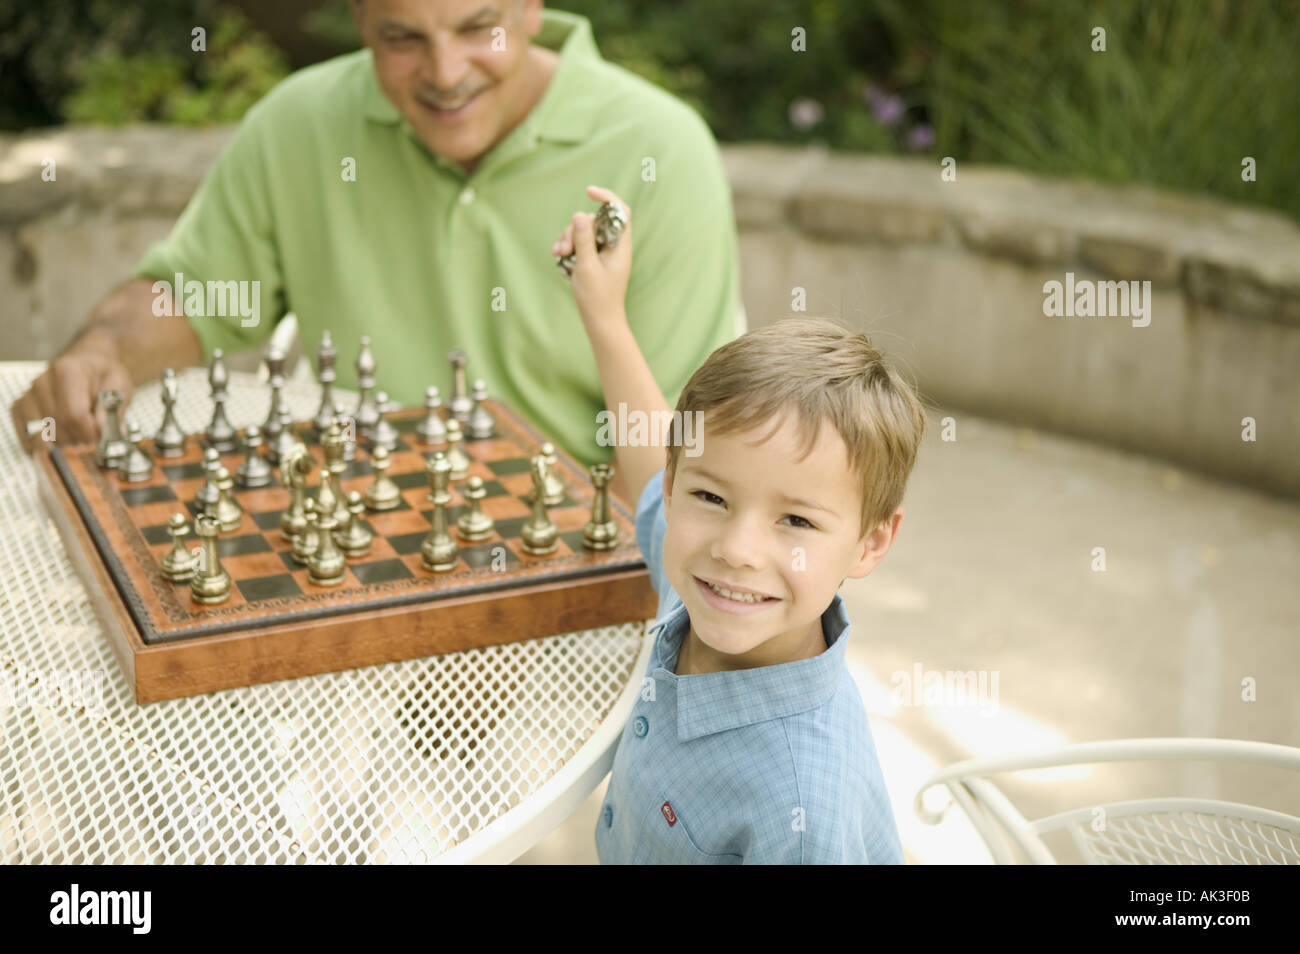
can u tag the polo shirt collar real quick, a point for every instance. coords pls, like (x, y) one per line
(565, 112)
(717, 701)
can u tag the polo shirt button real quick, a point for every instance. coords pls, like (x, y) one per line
(641, 726)
(609, 817)
(467, 196)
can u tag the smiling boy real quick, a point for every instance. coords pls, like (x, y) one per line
(748, 742)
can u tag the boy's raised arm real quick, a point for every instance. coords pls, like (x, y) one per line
(599, 284)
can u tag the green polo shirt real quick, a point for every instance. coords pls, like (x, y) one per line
(423, 258)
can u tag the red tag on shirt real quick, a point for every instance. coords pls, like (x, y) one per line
(668, 814)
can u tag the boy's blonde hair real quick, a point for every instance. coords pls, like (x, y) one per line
(825, 373)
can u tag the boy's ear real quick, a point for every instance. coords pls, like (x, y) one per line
(668, 488)
(874, 546)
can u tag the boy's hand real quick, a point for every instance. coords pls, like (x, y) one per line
(599, 280)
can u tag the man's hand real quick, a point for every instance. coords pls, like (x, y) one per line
(124, 343)
(599, 279)
(68, 392)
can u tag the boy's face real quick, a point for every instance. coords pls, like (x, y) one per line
(748, 516)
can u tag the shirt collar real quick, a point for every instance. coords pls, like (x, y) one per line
(564, 113)
(717, 701)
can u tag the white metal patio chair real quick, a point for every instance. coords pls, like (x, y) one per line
(1145, 831)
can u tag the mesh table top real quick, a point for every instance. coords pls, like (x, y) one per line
(422, 760)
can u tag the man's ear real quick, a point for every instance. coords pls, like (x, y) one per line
(874, 546)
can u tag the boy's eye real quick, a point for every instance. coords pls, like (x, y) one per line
(802, 522)
(706, 496)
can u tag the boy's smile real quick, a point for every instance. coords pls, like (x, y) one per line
(758, 542)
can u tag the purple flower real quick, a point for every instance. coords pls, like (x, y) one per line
(805, 114)
(872, 94)
(887, 110)
(920, 137)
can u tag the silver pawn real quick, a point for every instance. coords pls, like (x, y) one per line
(254, 471)
(284, 439)
(136, 465)
(480, 421)
(431, 430)
(383, 434)
(207, 494)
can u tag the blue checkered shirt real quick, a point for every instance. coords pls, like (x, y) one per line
(773, 765)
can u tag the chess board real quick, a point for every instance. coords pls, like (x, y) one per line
(277, 624)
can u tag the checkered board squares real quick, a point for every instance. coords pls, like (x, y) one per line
(128, 523)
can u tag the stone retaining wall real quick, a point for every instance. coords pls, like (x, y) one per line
(948, 275)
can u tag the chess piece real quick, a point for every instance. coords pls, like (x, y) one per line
(333, 443)
(554, 486)
(294, 467)
(355, 539)
(431, 430)
(207, 495)
(219, 433)
(383, 434)
(306, 543)
(327, 500)
(170, 439)
(348, 428)
(474, 524)
(136, 465)
(254, 471)
(367, 414)
(461, 403)
(274, 359)
(456, 455)
(609, 224)
(600, 532)
(439, 552)
(480, 420)
(227, 511)
(326, 566)
(539, 533)
(285, 438)
(112, 447)
(178, 564)
(383, 494)
(210, 582)
(325, 357)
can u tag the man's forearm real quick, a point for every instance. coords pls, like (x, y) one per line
(124, 323)
(626, 379)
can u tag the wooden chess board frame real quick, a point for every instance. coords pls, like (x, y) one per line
(170, 646)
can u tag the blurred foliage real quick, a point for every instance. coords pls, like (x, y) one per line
(1182, 93)
(116, 62)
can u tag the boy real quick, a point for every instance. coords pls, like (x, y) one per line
(748, 742)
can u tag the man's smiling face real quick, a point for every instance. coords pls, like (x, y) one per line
(748, 517)
(457, 70)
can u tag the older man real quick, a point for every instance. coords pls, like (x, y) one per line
(410, 191)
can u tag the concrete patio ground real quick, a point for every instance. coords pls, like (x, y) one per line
(1191, 630)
